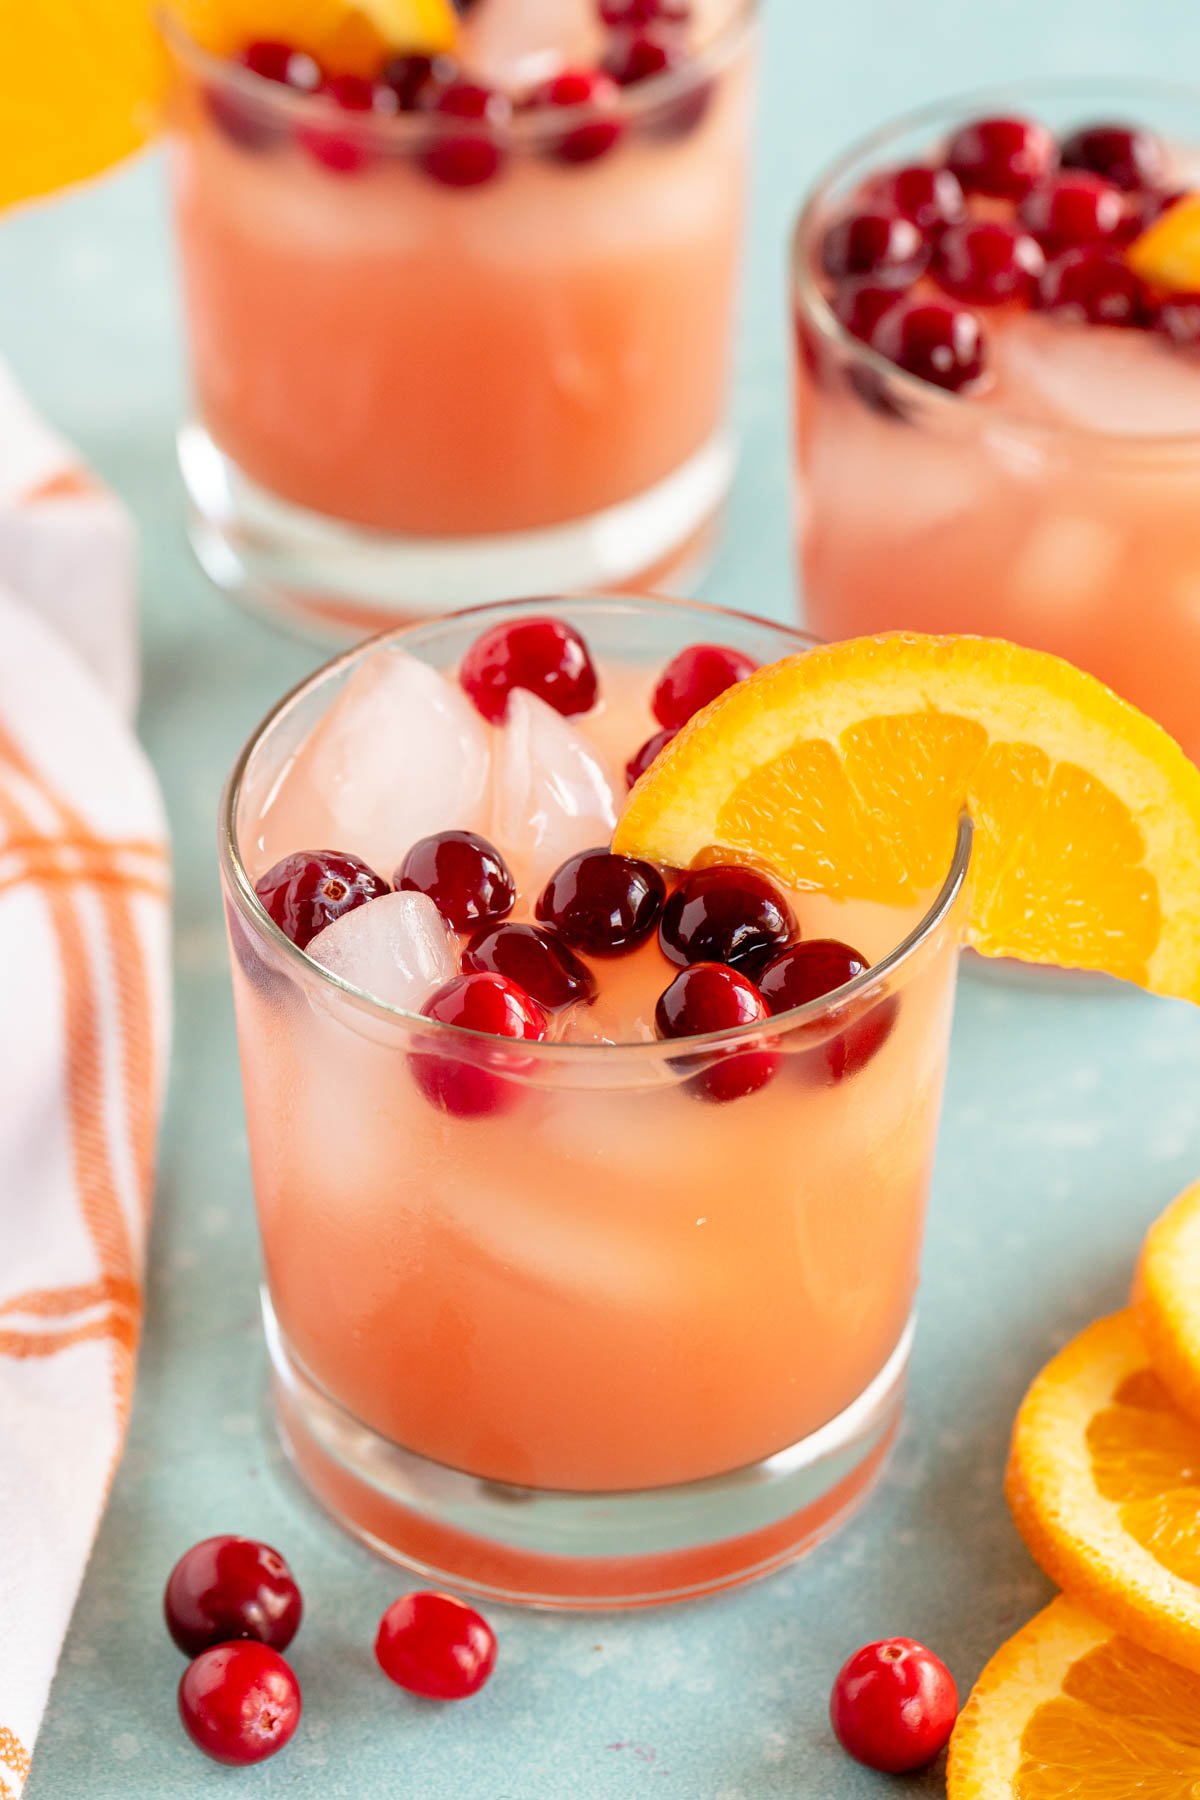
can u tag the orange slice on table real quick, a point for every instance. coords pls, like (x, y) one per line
(1104, 1485)
(1066, 1707)
(846, 768)
(1167, 253)
(1167, 1298)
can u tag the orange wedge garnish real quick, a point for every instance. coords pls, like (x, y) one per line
(1167, 1298)
(1167, 253)
(1104, 1484)
(846, 768)
(1066, 1708)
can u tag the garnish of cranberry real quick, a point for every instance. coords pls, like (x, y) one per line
(308, 890)
(987, 262)
(537, 960)
(634, 14)
(239, 1702)
(1129, 158)
(884, 245)
(642, 54)
(251, 126)
(725, 914)
(467, 146)
(931, 198)
(273, 60)
(472, 1085)
(807, 972)
(647, 753)
(693, 678)
(859, 306)
(344, 152)
(1071, 209)
(231, 1587)
(411, 74)
(934, 341)
(1002, 157)
(603, 904)
(546, 656)
(710, 996)
(435, 1646)
(893, 1706)
(1094, 287)
(596, 99)
(466, 878)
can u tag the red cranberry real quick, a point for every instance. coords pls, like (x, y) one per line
(987, 262)
(1004, 157)
(809, 971)
(893, 1706)
(1178, 318)
(496, 1007)
(545, 656)
(859, 306)
(434, 1646)
(250, 125)
(637, 56)
(311, 888)
(694, 677)
(725, 914)
(239, 1703)
(1094, 287)
(649, 752)
(466, 878)
(934, 341)
(880, 244)
(549, 971)
(931, 198)
(603, 904)
(1129, 158)
(634, 14)
(411, 75)
(1072, 209)
(344, 152)
(231, 1587)
(464, 158)
(276, 61)
(582, 91)
(710, 996)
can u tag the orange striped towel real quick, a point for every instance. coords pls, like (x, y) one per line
(83, 1038)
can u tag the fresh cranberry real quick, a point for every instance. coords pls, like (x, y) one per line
(987, 262)
(545, 656)
(466, 878)
(340, 151)
(1094, 287)
(934, 341)
(634, 14)
(489, 1004)
(603, 904)
(434, 1646)
(725, 914)
(231, 1587)
(1178, 318)
(859, 306)
(694, 677)
(585, 92)
(1072, 209)
(710, 996)
(637, 56)
(252, 125)
(893, 1706)
(411, 74)
(931, 198)
(883, 245)
(239, 1703)
(276, 61)
(308, 890)
(809, 971)
(1129, 158)
(649, 752)
(465, 158)
(548, 970)
(1004, 157)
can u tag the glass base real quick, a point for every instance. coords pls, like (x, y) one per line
(341, 582)
(547, 1548)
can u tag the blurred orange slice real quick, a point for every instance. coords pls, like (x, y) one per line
(1167, 253)
(1167, 1298)
(846, 768)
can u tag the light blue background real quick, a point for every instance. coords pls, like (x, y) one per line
(1070, 1120)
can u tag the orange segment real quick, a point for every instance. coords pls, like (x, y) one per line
(1068, 1708)
(1167, 1298)
(342, 34)
(1167, 253)
(1104, 1484)
(846, 768)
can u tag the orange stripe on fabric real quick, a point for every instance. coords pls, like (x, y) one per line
(86, 845)
(13, 1753)
(119, 1327)
(57, 1303)
(104, 879)
(64, 484)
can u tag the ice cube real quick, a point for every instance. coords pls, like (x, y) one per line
(398, 949)
(1098, 376)
(551, 795)
(1064, 564)
(515, 44)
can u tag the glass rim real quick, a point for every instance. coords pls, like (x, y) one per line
(829, 1007)
(402, 129)
(942, 402)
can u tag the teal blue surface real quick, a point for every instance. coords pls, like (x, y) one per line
(1071, 1119)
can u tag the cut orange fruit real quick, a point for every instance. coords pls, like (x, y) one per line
(1068, 1708)
(1104, 1484)
(341, 34)
(846, 768)
(1167, 1298)
(1167, 253)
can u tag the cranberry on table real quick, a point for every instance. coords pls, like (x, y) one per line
(987, 262)
(693, 678)
(601, 903)
(435, 1646)
(457, 155)
(305, 892)
(893, 1706)
(239, 1702)
(274, 60)
(1001, 157)
(724, 914)
(931, 198)
(1094, 287)
(811, 970)
(1122, 154)
(589, 92)
(231, 1587)
(859, 306)
(537, 960)
(646, 754)
(472, 1086)
(934, 341)
(1071, 209)
(881, 244)
(545, 656)
(466, 878)
(710, 996)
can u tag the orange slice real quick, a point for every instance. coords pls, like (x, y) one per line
(1068, 1708)
(1104, 1484)
(1167, 1298)
(1167, 253)
(846, 768)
